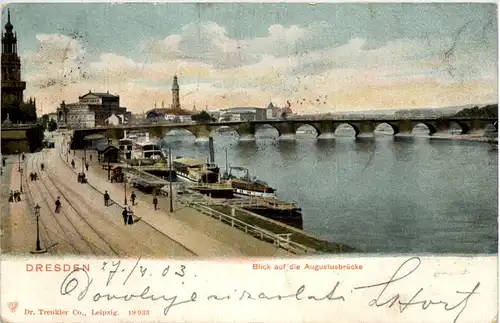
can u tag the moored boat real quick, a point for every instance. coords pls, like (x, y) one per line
(246, 186)
(195, 170)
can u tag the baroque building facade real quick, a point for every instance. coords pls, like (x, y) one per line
(91, 110)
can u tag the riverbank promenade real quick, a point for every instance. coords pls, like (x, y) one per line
(86, 226)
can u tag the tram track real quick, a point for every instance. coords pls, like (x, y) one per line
(96, 250)
(142, 221)
(69, 241)
(47, 234)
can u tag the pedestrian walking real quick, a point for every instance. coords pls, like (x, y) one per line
(87, 166)
(3, 161)
(125, 215)
(58, 205)
(31, 177)
(11, 196)
(155, 202)
(42, 166)
(23, 157)
(73, 163)
(106, 198)
(132, 197)
(90, 157)
(15, 196)
(35, 175)
(130, 217)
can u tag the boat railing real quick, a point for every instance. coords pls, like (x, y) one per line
(247, 202)
(280, 240)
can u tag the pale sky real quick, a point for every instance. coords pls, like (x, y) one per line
(322, 57)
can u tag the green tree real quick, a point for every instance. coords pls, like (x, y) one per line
(52, 126)
(203, 117)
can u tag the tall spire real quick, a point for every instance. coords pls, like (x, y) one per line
(8, 25)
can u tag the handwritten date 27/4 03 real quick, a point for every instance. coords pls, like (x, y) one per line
(115, 267)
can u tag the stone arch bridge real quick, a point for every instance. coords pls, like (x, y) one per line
(289, 127)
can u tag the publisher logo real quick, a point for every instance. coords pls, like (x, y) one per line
(13, 306)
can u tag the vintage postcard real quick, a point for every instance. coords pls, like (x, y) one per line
(249, 162)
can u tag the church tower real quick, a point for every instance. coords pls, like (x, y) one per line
(175, 95)
(12, 86)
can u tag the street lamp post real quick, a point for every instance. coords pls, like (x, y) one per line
(37, 216)
(83, 167)
(21, 188)
(125, 186)
(19, 155)
(170, 178)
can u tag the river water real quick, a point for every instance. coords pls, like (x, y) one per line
(381, 194)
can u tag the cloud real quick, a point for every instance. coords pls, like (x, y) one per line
(286, 64)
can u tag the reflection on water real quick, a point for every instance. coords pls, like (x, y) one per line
(380, 194)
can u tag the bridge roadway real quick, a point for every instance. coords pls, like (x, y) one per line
(86, 227)
(288, 128)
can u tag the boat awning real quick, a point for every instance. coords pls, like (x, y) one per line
(189, 162)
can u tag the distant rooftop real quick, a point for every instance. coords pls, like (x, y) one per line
(100, 94)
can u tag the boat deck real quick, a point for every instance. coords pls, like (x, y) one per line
(142, 178)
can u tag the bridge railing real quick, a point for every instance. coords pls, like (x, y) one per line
(280, 240)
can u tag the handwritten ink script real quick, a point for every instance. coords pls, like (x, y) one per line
(81, 285)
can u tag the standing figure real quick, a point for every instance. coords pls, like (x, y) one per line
(87, 166)
(130, 217)
(73, 163)
(90, 157)
(32, 177)
(42, 166)
(155, 202)
(58, 205)
(132, 197)
(125, 215)
(23, 157)
(106, 198)
(35, 176)
(11, 196)
(18, 196)
(3, 161)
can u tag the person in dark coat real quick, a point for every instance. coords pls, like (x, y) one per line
(132, 197)
(31, 176)
(130, 218)
(35, 176)
(23, 157)
(106, 198)
(58, 205)
(73, 163)
(11, 196)
(155, 202)
(42, 166)
(18, 196)
(90, 157)
(125, 215)
(87, 166)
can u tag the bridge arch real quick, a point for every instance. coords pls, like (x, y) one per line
(224, 130)
(177, 133)
(419, 127)
(460, 127)
(386, 128)
(266, 127)
(347, 129)
(308, 130)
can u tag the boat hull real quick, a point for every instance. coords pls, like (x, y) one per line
(291, 217)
